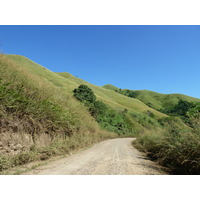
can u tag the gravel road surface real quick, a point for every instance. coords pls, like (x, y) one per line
(110, 157)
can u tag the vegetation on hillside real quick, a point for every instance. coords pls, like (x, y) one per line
(39, 117)
(177, 144)
(67, 83)
(43, 114)
(123, 122)
(176, 141)
(38, 120)
(161, 102)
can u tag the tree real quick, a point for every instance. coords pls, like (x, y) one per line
(85, 95)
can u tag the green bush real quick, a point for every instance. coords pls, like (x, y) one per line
(85, 95)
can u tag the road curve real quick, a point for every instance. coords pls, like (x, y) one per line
(110, 157)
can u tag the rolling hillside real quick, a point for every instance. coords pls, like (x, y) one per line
(155, 100)
(40, 117)
(68, 82)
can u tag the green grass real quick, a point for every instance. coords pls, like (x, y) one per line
(67, 83)
(110, 87)
(159, 101)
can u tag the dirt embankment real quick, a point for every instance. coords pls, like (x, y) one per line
(111, 157)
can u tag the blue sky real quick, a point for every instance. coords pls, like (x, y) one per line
(164, 59)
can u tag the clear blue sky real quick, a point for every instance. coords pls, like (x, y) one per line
(164, 59)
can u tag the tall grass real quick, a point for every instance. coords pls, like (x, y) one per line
(175, 146)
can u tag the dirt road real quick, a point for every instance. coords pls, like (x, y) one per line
(111, 157)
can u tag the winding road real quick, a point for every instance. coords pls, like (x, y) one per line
(110, 157)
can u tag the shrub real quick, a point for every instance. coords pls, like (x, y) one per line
(85, 95)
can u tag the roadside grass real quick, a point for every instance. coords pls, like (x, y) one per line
(174, 146)
(59, 147)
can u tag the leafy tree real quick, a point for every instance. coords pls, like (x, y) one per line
(84, 94)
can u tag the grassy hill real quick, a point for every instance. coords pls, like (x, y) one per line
(156, 100)
(110, 87)
(67, 83)
(38, 119)
(161, 101)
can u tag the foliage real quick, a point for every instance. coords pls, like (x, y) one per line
(85, 95)
(194, 111)
(187, 111)
(109, 119)
(175, 146)
(182, 108)
(129, 93)
(161, 102)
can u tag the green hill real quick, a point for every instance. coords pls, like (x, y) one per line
(156, 100)
(38, 119)
(68, 83)
(162, 101)
(110, 87)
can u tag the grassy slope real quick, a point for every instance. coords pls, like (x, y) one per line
(110, 87)
(37, 119)
(161, 101)
(48, 85)
(67, 83)
(156, 100)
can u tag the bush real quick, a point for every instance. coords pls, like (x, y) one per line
(85, 95)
